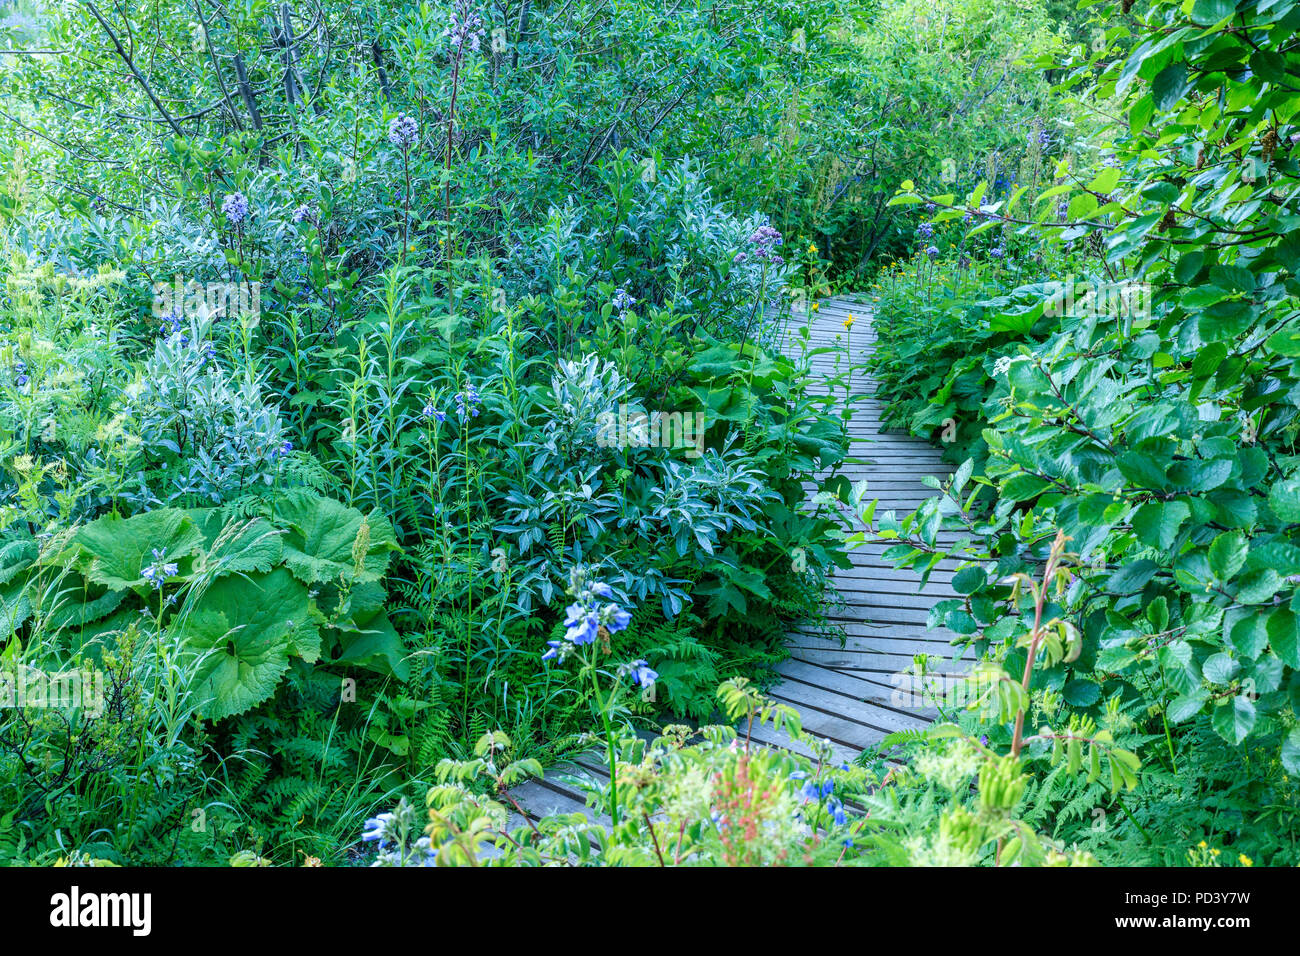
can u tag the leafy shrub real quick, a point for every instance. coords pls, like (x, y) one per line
(193, 572)
(1159, 443)
(711, 798)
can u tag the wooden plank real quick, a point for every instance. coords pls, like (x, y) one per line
(851, 692)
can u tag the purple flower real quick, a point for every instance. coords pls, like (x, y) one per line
(925, 230)
(467, 401)
(932, 252)
(641, 673)
(553, 650)
(303, 213)
(997, 252)
(235, 207)
(616, 619)
(403, 131)
(581, 623)
(764, 241)
(465, 28)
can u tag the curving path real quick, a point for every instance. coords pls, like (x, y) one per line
(850, 693)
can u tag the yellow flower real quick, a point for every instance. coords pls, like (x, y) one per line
(848, 323)
(1203, 845)
(812, 248)
(1245, 860)
(1214, 853)
(816, 306)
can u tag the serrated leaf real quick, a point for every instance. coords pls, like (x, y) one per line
(113, 551)
(321, 534)
(252, 624)
(1156, 523)
(1234, 720)
(1187, 706)
(1219, 668)
(1228, 553)
(238, 545)
(1284, 499)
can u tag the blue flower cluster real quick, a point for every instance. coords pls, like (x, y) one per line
(932, 252)
(387, 830)
(235, 208)
(431, 411)
(925, 230)
(622, 303)
(814, 792)
(468, 401)
(161, 570)
(403, 131)
(21, 377)
(642, 674)
(171, 325)
(591, 610)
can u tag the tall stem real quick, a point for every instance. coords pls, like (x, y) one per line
(609, 744)
(1053, 558)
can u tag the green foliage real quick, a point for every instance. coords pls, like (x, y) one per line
(709, 797)
(231, 591)
(1158, 437)
(341, 392)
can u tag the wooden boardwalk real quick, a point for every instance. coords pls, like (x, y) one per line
(853, 694)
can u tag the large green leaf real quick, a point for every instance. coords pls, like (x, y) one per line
(1228, 553)
(240, 666)
(15, 608)
(318, 546)
(1284, 499)
(248, 544)
(113, 551)
(1156, 523)
(74, 602)
(252, 624)
(374, 643)
(1235, 719)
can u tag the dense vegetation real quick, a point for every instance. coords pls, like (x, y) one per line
(392, 399)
